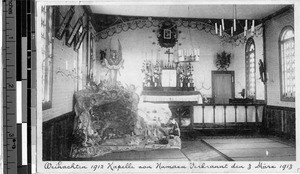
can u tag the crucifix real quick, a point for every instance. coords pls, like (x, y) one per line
(169, 53)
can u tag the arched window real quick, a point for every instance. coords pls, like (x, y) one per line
(250, 68)
(287, 63)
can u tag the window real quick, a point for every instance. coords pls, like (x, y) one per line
(47, 48)
(250, 68)
(287, 64)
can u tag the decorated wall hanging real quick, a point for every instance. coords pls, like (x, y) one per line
(65, 22)
(223, 61)
(192, 24)
(167, 34)
(113, 62)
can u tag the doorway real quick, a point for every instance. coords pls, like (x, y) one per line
(222, 86)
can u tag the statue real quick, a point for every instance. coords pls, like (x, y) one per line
(113, 62)
(262, 71)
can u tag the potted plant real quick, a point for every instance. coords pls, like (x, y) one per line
(223, 61)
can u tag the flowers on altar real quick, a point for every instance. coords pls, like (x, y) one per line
(181, 74)
(152, 74)
(147, 72)
(185, 77)
(189, 74)
(156, 74)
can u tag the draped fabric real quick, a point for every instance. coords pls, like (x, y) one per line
(108, 119)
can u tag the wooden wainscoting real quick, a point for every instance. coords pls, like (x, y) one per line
(280, 121)
(57, 137)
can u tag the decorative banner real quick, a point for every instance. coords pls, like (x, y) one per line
(60, 32)
(78, 43)
(74, 32)
(199, 25)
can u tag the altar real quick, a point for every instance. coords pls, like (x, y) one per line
(179, 99)
(167, 95)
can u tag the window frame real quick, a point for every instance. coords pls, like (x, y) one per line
(48, 70)
(249, 42)
(282, 32)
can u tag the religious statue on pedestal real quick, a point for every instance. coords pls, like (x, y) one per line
(113, 62)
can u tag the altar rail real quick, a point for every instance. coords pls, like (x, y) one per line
(227, 116)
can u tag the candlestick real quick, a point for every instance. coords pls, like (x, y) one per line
(216, 28)
(252, 28)
(146, 55)
(245, 31)
(231, 31)
(223, 24)
(151, 56)
(234, 24)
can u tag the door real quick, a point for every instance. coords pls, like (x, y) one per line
(222, 86)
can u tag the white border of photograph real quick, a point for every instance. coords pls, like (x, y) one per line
(106, 166)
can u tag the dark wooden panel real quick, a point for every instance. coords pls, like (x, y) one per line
(280, 121)
(57, 137)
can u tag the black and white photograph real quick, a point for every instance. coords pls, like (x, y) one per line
(165, 87)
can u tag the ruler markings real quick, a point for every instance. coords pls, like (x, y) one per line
(9, 124)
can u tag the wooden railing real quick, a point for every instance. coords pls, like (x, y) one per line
(226, 116)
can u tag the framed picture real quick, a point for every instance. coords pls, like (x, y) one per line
(167, 34)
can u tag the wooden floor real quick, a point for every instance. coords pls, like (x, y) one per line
(253, 149)
(212, 149)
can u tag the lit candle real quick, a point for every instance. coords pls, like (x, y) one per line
(152, 55)
(234, 24)
(246, 24)
(223, 24)
(216, 28)
(252, 28)
(220, 30)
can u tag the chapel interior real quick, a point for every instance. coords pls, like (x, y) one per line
(188, 82)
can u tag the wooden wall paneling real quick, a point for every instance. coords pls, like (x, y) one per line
(191, 117)
(203, 107)
(246, 114)
(214, 115)
(280, 121)
(58, 137)
(235, 117)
